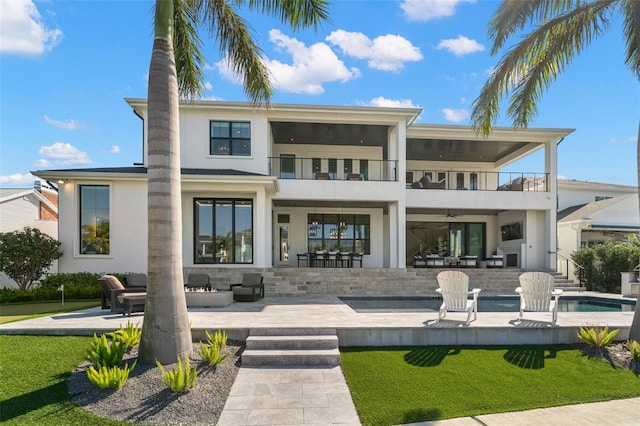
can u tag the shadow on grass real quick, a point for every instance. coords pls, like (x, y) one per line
(529, 357)
(421, 415)
(54, 397)
(429, 356)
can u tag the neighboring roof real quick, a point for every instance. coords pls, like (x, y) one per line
(135, 171)
(586, 210)
(595, 185)
(8, 194)
(566, 212)
(11, 193)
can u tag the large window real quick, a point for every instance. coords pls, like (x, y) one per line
(230, 138)
(344, 232)
(223, 231)
(94, 219)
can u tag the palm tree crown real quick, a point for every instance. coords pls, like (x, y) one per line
(561, 30)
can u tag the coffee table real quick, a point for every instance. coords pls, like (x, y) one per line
(209, 299)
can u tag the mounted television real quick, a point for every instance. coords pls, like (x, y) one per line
(511, 231)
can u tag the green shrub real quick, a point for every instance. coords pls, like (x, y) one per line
(597, 338)
(634, 347)
(105, 353)
(27, 254)
(129, 335)
(109, 377)
(211, 351)
(182, 378)
(80, 285)
(603, 263)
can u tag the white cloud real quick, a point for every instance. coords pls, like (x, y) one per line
(311, 66)
(455, 115)
(42, 163)
(425, 10)
(66, 125)
(64, 154)
(386, 53)
(17, 179)
(460, 46)
(22, 31)
(630, 139)
(381, 101)
(115, 149)
(208, 85)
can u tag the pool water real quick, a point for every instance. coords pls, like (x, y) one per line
(485, 304)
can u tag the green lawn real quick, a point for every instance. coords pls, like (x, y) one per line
(20, 311)
(393, 386)
(34, 372)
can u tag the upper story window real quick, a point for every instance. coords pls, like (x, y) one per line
(94, 219)
(230, 138)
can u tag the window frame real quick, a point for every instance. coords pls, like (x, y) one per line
(79, 239)
(329, 235)
(230, 139)
(215, 201)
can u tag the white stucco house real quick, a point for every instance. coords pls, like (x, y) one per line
(591, 213)
(35, 207)
(260, 186)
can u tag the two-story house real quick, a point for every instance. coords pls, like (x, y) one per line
(260, 186)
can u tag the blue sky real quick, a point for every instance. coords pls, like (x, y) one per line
(66, 66)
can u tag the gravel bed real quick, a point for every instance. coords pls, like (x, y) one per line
(144, 399)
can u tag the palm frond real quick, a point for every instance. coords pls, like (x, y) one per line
(235, 42)
(187, 47)
(514, 15)
(548, 50)
(631, 11)
(528, 68)
(297, 13)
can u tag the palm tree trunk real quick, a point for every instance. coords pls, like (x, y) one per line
(634, 332)
(166, 334)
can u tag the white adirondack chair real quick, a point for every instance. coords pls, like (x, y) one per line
(454, 288)
(538, 295)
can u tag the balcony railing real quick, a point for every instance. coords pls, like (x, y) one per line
(477, 180)
(290, 167)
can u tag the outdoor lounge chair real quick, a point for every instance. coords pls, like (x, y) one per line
(454, 288)
(122, 299)
(198, 281)
(536, 292)
(251, 289)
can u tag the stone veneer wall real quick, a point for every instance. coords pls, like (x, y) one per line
(292, 282)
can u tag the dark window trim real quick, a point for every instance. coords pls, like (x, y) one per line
(213, 230)
(230, 140)
(80, 244)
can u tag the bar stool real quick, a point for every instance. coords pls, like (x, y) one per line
(332, 259)
(319, 259)
(356, 257)
(344, 257)
(304, 257)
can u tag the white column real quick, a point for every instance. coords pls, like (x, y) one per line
(263, 231)
(551, 222)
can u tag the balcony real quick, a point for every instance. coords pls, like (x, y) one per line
(477, 180)
(291, 167)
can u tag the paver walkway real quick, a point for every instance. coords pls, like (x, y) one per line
(289, 396)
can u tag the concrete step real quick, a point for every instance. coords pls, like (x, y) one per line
(292, 331)
(312, 342)
(261, 357)
(292, 346)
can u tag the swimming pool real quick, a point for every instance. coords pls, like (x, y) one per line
(485, 304)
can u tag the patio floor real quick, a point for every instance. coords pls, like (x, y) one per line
(354, 329)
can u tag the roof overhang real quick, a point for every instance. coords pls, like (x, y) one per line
(188, 176)
(462, 143)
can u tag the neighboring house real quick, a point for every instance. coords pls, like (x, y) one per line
(260, 186)
(35, 207)
(602, 212)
